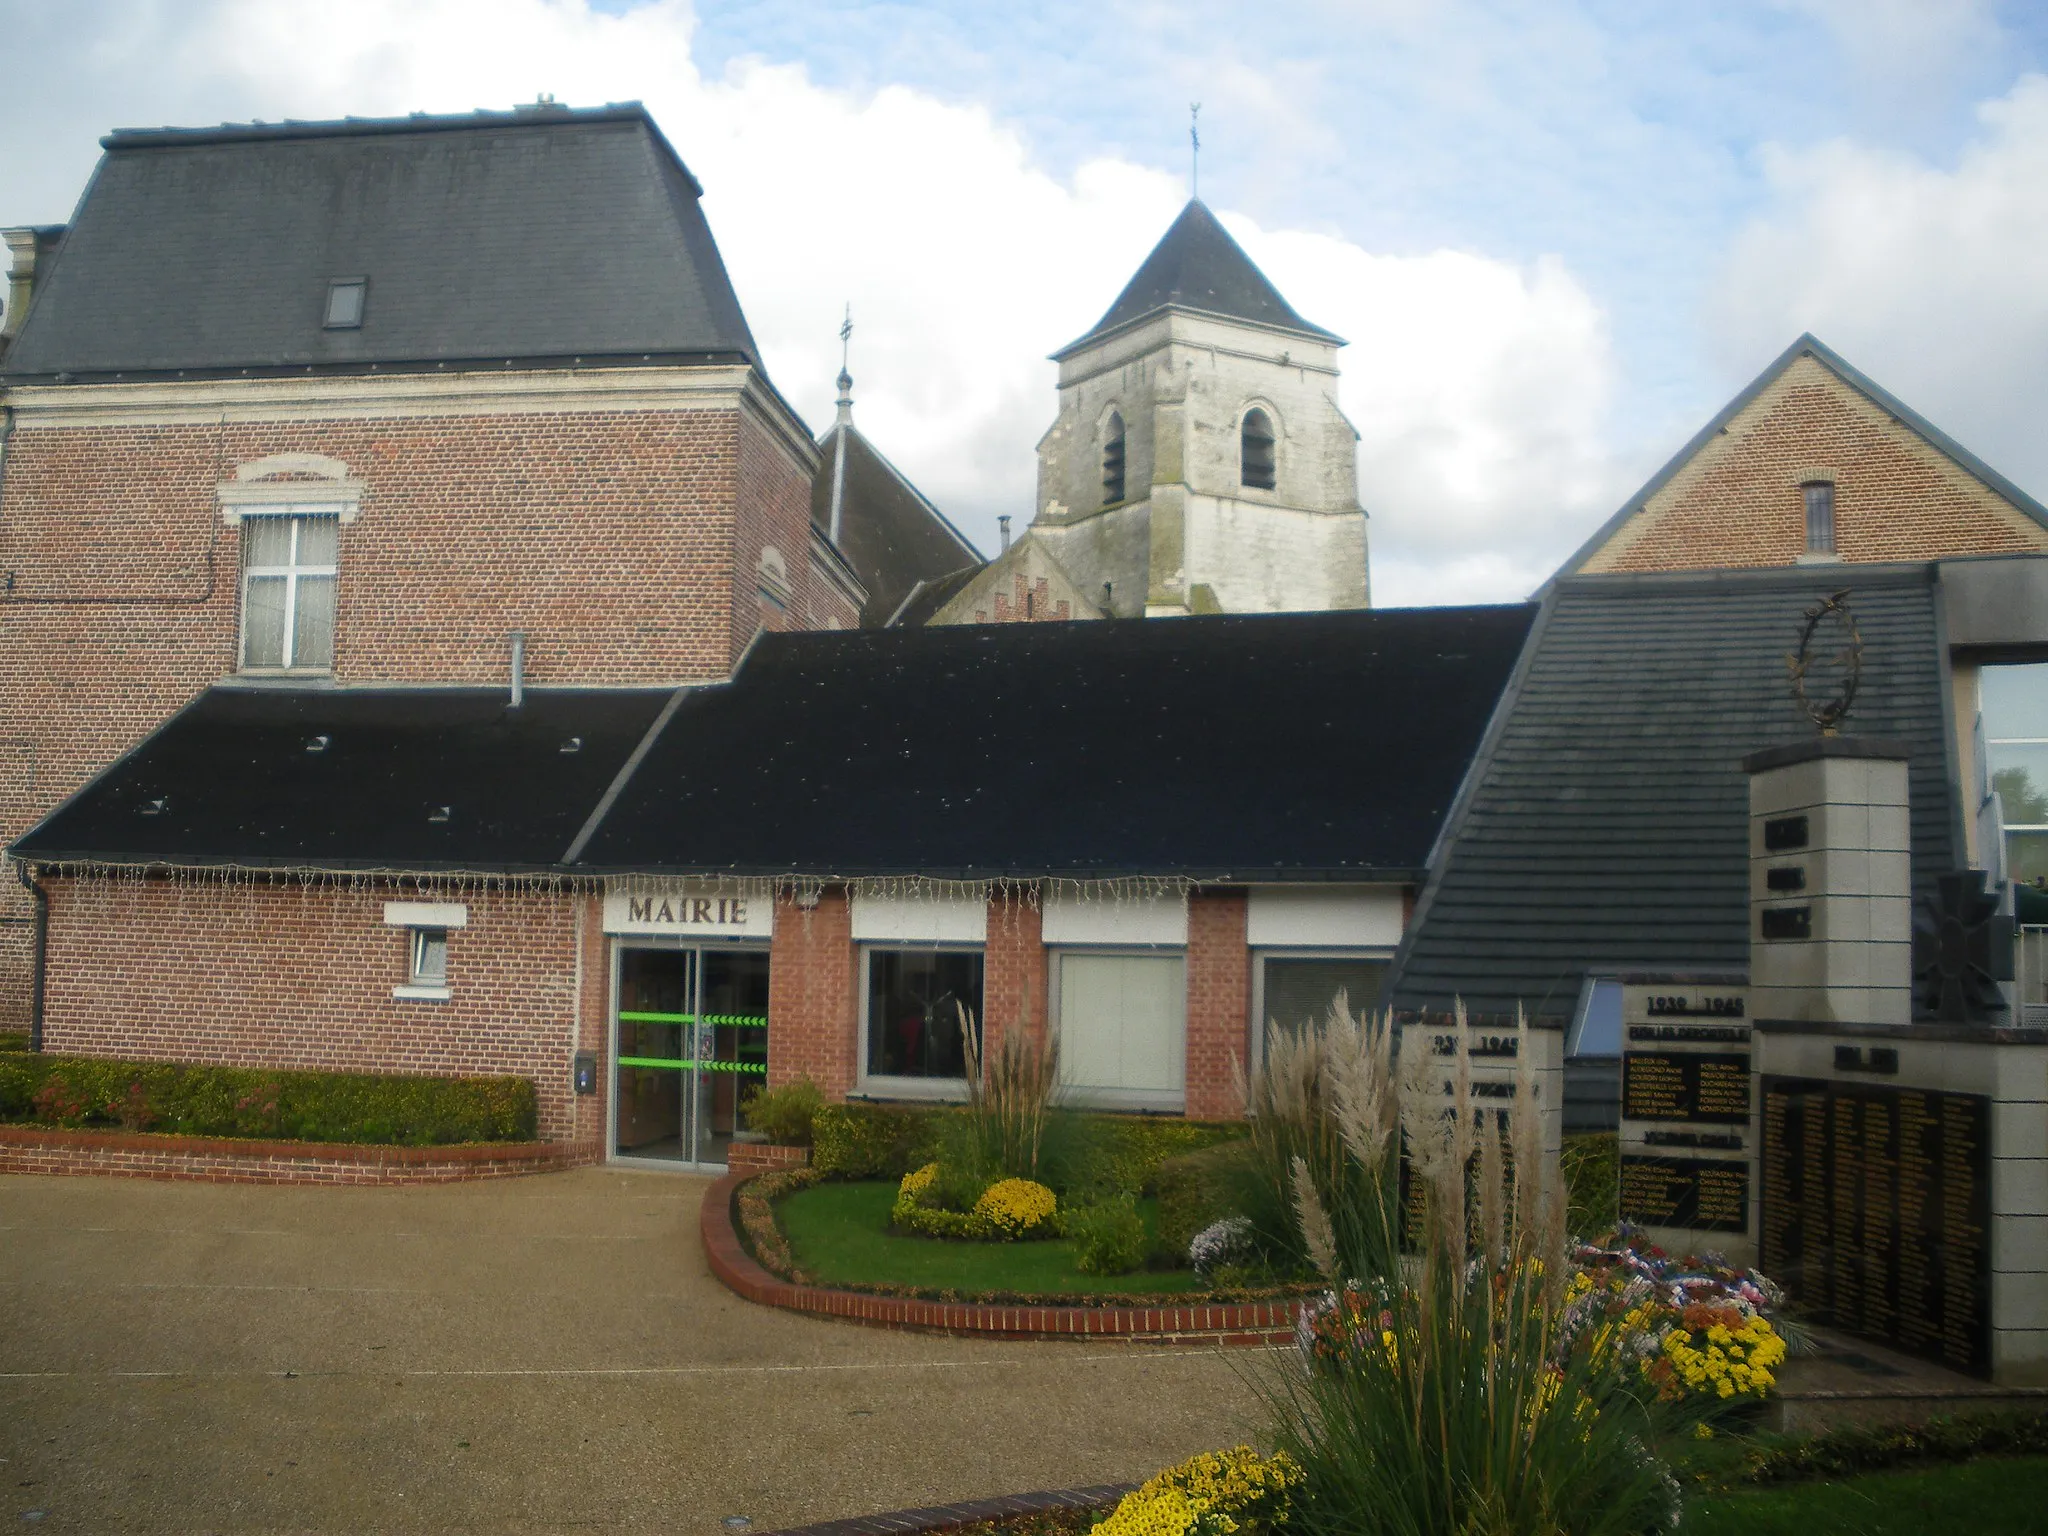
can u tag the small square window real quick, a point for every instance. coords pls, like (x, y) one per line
(429, 957)
(1820, 517)
(345, 297)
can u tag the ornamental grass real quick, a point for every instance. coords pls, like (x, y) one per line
(1437, 1389)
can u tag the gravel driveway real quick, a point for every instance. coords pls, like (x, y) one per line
(536, 1354)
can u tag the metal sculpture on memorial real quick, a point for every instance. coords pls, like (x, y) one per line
(1838, 673)
(1962, 950)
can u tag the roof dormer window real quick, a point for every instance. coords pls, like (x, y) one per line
(345, 296)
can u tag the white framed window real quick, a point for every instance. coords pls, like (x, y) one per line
(911, 996)
(1295, 987)
(426, 966)
(1122, 1021)
(288, 579)
(2012, 705)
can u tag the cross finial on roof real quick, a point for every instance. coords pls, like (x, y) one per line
(1194, 149)
(845, 378)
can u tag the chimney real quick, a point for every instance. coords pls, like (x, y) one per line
(1003, 526)
(518, 667)
(25, 249)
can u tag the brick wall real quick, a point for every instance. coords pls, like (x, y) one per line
(294, 975)
(812, 1007)
(1028, 602)
(624, 542)
(1219, 1002)
(1013, 978)
(1738, 502)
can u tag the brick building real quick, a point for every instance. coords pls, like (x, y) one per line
(1814, 464)
(356, 404)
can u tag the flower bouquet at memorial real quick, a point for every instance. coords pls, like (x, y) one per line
(1696, 1328)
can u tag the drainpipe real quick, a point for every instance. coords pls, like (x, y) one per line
(42, 954)
(518, 667)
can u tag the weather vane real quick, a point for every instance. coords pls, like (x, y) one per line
(1844, 664)
(1194, 149)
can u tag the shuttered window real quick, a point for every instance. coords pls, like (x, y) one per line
(1123, 1028)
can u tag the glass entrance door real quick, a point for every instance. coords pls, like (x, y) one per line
(692, 1033)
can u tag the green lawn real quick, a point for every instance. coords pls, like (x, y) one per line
(1975, 1497)
(840, 1233)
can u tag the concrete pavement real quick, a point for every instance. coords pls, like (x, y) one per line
(534, 1354)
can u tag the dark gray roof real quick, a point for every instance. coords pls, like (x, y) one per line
(890, 534)
(1196, 265)
(1605, 826)
(403, 778)
(1811, 346)
(928, 597)
(541, 234)
(1315, 746)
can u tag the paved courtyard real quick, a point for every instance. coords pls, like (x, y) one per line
(533, 1354)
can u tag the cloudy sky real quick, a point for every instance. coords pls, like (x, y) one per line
(1558, 235)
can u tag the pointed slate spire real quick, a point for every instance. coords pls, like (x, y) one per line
(1196, 265)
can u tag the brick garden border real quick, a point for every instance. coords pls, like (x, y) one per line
(1245, 1322)
(222, 1160)
(952, 1517)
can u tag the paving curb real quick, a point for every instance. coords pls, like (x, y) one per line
(228, 1160)
(951, 1517)
(1250, 1322)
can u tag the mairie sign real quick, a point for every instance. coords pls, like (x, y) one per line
(690, 909)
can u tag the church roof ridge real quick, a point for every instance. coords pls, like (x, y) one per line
(1197, 266)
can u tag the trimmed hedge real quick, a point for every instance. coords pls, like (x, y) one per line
(1194, 1191)
(180, 1100)
(886, 1141)
(1591, 1164)
(1856, 1449)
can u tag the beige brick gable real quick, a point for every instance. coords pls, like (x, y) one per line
(1737, 500)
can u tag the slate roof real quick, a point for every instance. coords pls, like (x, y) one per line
(230, 780)
(1197, 266)
(1275, 747)
(891, 535)
(925, 599)
(1808, 345)
(1605, 825)
(542, 234)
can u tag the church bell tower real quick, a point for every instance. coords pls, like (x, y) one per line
(1200, 463)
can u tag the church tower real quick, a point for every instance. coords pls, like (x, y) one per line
(1200, 463)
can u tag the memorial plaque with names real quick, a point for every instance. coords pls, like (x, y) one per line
(1876, 1212)
(1695, 1193)
(1699, 1087)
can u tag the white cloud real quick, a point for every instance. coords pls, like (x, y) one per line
(1480, 389)
(1928, 279)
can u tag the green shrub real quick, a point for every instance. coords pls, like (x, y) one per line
(1591, 1164)
(784, 1114)
(13, 1039)
(1196, 1189)
(176, 1099)
(1859, 1448)
(872, 1141)
(1109, 1236)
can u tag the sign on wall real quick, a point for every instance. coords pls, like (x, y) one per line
(694, 909)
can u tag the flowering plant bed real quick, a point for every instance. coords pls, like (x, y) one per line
(837, 1234)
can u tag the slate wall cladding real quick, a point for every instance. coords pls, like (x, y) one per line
(1739, 503)
(624, 543)
(299, 976)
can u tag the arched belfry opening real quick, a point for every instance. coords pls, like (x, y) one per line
(1258, 460)
(1113, 459)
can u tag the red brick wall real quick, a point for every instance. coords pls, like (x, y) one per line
(812, 1005)
(1739, 502)
(623, 542)
(1013, 978)
(1028, 602)
(1219, 1002)
(300, 976)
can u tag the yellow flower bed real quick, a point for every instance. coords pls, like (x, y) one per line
(1218, 1493)
(1723, 1357)
(1014, 1207)
(1008, 1210)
